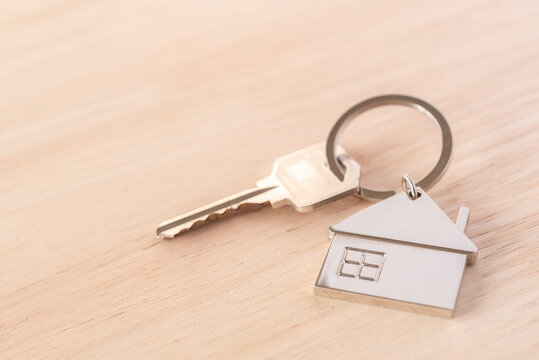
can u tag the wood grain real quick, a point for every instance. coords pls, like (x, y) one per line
(116, 115)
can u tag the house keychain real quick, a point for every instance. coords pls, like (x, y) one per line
(403, 252)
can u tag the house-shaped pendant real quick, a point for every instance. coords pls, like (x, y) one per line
(400, 253)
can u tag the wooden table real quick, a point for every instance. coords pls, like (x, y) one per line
(116, 115)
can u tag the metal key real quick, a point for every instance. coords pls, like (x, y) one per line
(301, 179)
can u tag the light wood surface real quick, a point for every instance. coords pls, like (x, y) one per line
(116, 115)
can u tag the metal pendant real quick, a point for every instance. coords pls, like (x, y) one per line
(403, 252)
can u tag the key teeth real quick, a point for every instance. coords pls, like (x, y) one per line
(209, 218)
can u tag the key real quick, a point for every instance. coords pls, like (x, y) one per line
(301, 179)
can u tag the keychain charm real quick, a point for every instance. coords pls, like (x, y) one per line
(403, 252)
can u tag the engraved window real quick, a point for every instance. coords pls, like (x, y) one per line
(361, 264)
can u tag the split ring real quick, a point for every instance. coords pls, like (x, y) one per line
(409, 188)
(415, 103)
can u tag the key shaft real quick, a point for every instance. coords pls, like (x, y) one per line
(250, 199)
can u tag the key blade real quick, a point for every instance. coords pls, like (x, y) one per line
(250, 199)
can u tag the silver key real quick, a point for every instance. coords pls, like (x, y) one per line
(301, 179)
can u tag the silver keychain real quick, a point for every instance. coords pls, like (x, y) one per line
(403, 252)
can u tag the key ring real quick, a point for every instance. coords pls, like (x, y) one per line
(418, 104)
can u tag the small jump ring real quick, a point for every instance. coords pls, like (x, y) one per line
(409, 187)
(418, 104)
